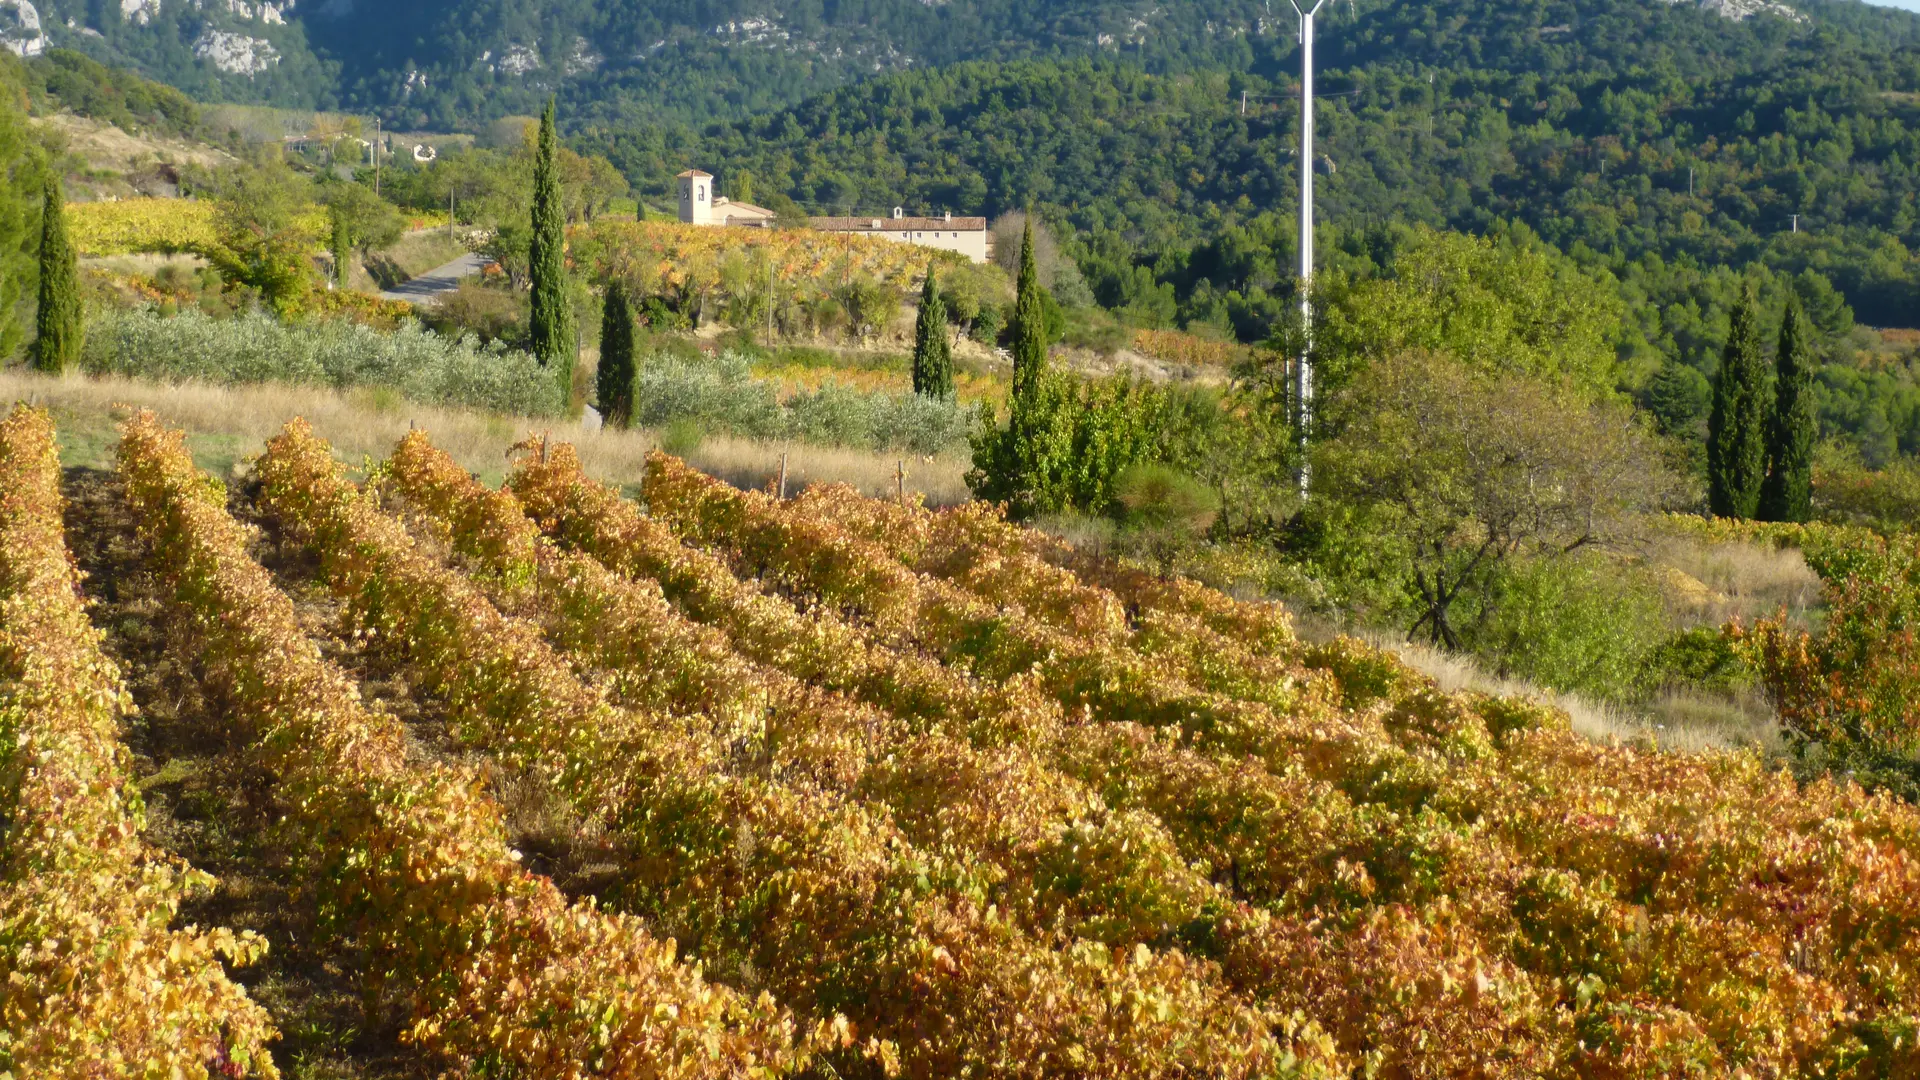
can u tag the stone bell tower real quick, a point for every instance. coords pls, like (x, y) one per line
(696, 197)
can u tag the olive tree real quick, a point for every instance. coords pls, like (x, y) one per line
(1446, 472)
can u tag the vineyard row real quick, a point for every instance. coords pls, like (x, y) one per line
(411, 861)
(91, 977)
(780, 880)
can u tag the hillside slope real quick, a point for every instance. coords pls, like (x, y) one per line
(1630, 130)
(444, 63)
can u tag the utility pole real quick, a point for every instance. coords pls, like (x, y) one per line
(1303, 391)
(1689, 181)
(376, 155)
(1243, 103)
(1796, 223)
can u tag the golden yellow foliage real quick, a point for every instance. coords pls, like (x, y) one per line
(153, 225)
(1179, 347)
(672, 253)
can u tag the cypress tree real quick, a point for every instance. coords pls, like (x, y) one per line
(613, 382)
(932, 352)
(1029, 325)
(550, 324)
(60, 327)
(1787, 494)
(1736, 430)
(1032, 463)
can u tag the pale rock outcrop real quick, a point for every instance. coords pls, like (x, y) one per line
(235, 54)
(20, 31)
(139, 12)
(583, 58)
(1738, 10)
(517, 60)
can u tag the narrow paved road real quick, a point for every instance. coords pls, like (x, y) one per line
(438, 281)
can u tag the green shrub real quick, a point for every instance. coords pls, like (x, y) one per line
(1700, 657)
(1165, 510)
(488, 313)
(1066, 445)
(988, 324)
(1579, 623)
(256, 348)
(1846, 492)
(659, 314)
(1095, 329)
(720, 394)
(840, 416)
(682, 437)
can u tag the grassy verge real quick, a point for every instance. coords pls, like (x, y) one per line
(418, 252)
(228, 424)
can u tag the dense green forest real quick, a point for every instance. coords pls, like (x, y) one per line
(63, 79)
(1691, 168)
(1665, 152)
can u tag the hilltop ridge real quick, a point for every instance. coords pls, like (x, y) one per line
(447, 63)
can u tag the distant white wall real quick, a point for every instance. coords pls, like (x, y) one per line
(969, 242)
(968, 236)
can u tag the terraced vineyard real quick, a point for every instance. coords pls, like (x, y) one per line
(544, 781)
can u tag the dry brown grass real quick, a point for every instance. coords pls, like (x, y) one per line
(1678, 720)
(146, 264)
(1692, 719)
(227, 424)
(105, 146)
(1709, 584)
(424, 250)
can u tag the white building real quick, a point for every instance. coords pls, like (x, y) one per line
(966, 235)
(700, 206)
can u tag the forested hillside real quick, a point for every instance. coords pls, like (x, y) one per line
(1642, 136)
(445, 63)
(1637, 131)
(458, 63)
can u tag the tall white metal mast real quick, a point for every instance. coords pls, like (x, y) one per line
(1303, 373)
